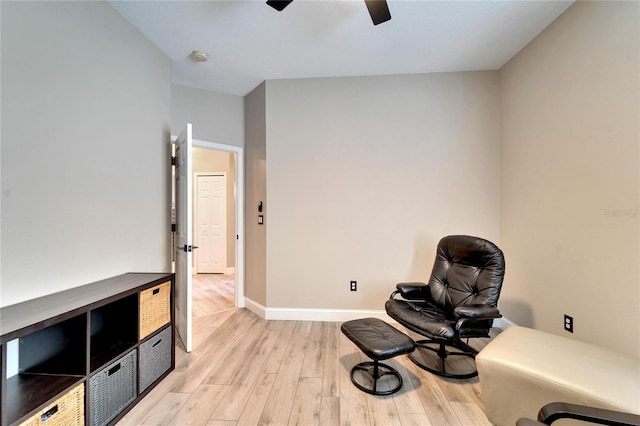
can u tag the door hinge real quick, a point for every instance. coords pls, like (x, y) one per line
(173, 227)
(173, 161)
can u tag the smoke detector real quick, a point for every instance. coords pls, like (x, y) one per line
(200, 56)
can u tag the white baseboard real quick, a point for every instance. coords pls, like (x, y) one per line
(254, 307)
(301, 314)
(324, 314)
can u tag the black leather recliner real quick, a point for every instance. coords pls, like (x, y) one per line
(459, 302)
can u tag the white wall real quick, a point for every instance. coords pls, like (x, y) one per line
(570, 176)
(216, 117)
(85, 142)
(366, 174)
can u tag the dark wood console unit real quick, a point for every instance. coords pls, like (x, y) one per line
(81, 356)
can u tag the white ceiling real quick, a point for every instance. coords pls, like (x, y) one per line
(249, 42)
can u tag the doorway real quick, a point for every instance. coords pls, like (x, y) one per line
(182, 211)
(214, 207)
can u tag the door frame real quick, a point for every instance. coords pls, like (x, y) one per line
(196, 175)
(182, 195)
(239, 172)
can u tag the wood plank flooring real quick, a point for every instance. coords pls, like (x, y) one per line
(244, 370)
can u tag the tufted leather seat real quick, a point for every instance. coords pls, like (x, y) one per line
(377, 339)
(460, 300)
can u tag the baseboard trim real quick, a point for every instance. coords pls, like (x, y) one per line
(305, 314)
(230, 270)
(254, 307)
(302, 314)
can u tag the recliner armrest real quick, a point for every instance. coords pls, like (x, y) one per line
(476, 311)
(470, 314)
(412, 291)
(562, 410)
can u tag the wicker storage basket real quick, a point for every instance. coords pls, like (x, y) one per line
(113, 389)
(155, 358)
(68, 410)
(155, 308)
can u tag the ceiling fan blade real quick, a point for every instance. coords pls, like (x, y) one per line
(279, 5)
(379, 11)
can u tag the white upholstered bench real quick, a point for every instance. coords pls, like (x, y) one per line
(522, 369)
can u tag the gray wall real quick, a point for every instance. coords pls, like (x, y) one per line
(570, 176)
(85, 142)
(364, 175)
(216, 117)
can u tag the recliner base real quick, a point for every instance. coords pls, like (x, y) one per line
(442, 354)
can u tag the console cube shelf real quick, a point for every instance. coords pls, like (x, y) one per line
(85, 346)
(113, 330)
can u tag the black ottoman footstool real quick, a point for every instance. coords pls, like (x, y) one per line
(378, 340)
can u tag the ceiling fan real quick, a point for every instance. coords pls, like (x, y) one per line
(378, 9)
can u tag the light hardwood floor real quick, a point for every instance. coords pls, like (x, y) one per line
(244, 370)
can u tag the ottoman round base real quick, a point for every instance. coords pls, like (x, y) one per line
(375, 370)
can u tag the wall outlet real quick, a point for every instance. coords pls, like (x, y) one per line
(353, 285)
(568, 323)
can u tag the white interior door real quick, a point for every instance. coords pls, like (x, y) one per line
(184, 246)
(211, 223)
